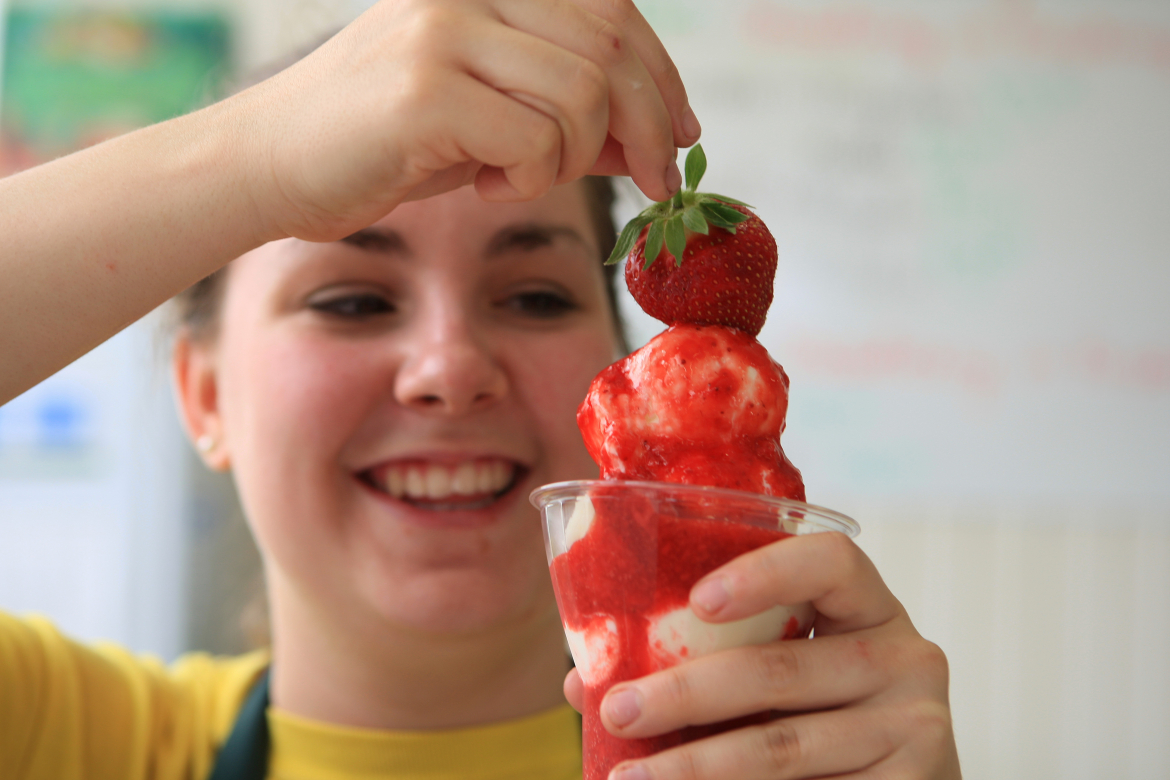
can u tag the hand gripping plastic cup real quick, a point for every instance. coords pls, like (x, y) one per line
(624, 557)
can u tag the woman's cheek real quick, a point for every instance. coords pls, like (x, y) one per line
(319, 387)
(289, 405)
(556, 385)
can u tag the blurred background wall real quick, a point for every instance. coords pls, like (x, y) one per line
(972, 202)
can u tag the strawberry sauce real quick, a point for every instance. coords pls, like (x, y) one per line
(698, 405)
(634, 565)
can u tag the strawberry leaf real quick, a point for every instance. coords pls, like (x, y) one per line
(626, 240)
(726, 199)
(654, 241)
(717, 219)
(694, 221)
(726, 212)
(696, 166)
(676, 238)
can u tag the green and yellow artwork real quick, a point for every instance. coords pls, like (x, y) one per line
(72, 78)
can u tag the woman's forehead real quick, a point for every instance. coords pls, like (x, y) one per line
(463, 209)
(456, 224)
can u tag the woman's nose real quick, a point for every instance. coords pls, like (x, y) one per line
(452, 372)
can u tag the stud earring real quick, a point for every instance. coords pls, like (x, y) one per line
(205, 443)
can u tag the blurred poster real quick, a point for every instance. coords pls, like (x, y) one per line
(49, 433)
(73, 78)
(92, 461)
(70, 79)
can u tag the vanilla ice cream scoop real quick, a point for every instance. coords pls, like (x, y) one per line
(698, 405)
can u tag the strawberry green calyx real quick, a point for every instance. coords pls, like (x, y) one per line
(669, 220)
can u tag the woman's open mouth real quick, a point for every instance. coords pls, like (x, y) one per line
(446, 487)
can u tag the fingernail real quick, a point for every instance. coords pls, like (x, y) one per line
(629, 772)
(711, 595)
(690, 124)
(673, 177)
(623, 707)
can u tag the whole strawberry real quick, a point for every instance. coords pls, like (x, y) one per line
(724, 258)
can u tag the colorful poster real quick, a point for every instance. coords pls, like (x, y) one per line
(72, 78)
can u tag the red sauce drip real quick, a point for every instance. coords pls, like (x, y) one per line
(633, 565)
(698, 405)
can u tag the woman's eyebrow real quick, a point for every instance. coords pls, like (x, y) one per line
(531, 236)
(373, 239)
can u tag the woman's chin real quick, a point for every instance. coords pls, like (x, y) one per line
(462, 601)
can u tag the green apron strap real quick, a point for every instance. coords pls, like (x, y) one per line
(244, 756)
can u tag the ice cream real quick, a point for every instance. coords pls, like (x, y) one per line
(702, 405)
(698, 405)
(623, 587)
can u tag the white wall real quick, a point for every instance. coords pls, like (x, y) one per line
(971, 201)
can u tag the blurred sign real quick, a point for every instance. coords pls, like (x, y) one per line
(50, 432)
(73, 78)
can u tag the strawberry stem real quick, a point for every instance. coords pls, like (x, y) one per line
(696, 166)
(685, 210)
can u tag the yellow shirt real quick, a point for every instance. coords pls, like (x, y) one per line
(72, 712)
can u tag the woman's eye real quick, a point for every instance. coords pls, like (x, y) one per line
(357, 305)
(540, 303)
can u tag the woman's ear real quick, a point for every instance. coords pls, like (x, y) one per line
(193, 369)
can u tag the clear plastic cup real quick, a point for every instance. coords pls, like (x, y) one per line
(624, 556)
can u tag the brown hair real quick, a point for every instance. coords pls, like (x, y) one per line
(197, 307)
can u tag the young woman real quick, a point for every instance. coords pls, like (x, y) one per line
(386, 399)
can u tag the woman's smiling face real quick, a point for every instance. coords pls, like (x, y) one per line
(387, 402)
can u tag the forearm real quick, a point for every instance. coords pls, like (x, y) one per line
(91, 242)
(390, 108)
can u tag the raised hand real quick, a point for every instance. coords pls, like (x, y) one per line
(420, 96)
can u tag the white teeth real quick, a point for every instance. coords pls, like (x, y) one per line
(416, 486)
(438, 482)
(395, 482)
(483, 478)
(434, 482)
(464, 482)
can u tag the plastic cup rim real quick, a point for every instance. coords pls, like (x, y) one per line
(822, 516)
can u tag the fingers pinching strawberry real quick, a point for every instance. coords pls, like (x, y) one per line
(417, 97)
(724, 258)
